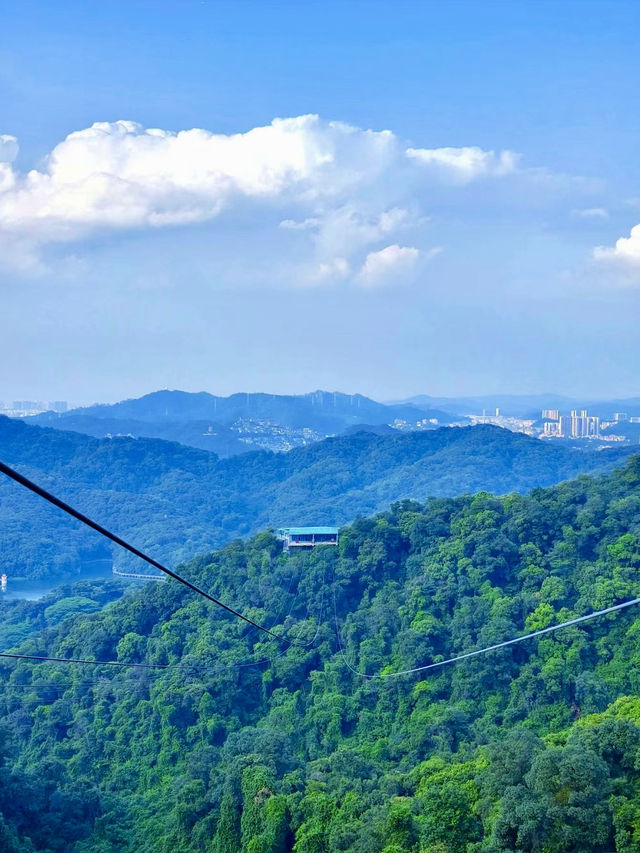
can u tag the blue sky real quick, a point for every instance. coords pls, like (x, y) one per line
(473, 248)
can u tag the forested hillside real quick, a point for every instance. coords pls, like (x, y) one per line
(249, 745)
(203, 434)
(177, 501)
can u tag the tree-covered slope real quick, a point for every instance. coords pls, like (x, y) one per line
(177, 501)
(203, 434)
(531, 748)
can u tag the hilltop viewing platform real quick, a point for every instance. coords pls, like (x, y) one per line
(307, 537)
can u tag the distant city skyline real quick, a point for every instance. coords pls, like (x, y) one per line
(385, 198)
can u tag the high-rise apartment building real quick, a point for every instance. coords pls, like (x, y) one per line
(579, 424)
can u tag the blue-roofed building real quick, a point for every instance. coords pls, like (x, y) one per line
(307, 537)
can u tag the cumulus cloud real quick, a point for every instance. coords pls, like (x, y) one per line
(121, 175)
(626, 251)
(463, 165)
(389, 263)
(322, 201)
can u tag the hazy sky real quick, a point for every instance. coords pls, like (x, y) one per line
(390, 197)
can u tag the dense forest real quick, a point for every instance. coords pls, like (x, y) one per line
(251, 745)
(176, 501)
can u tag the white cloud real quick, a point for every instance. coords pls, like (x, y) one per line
(336, 268)
(625, 252)
(349, 227)
(310, 197)
(591, 213)
(8, 148)
(8, 153)
(119, 175)
(304, 225)
(462, 165)
(7, 178)
(389, 263)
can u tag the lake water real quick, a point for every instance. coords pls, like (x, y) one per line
(33, 590)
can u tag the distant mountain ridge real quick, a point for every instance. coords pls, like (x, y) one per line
(236, 424)
(331, 408)
(177, 501)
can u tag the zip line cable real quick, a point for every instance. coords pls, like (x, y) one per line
(43, 493)
(93, 662)
(52, 499)
(190, 669)
(475, 652)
